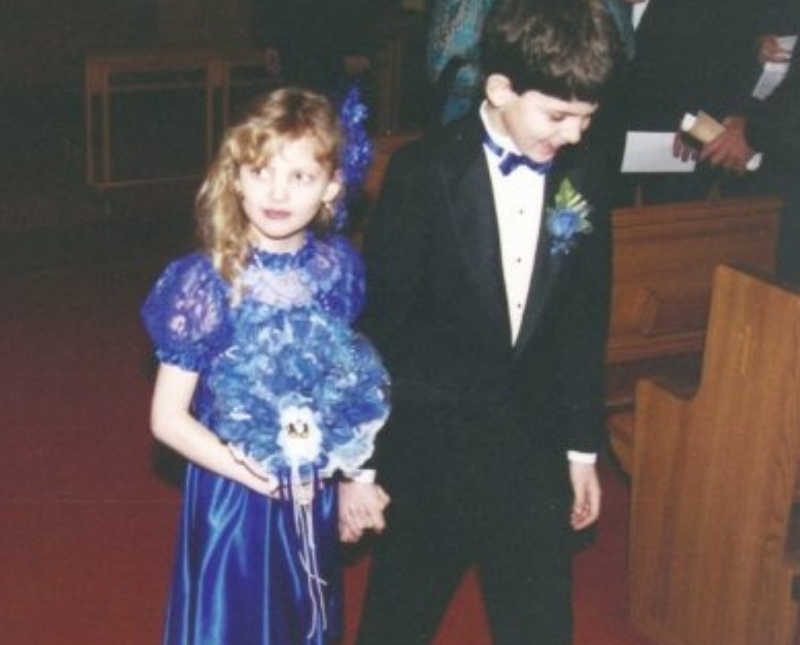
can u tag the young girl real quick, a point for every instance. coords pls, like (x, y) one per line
(262, 385)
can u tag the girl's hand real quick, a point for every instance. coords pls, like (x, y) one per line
(361, 508)
(260, 481)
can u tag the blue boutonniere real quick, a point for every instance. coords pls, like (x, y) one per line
(568, 216)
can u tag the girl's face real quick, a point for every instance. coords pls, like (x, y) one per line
(282, 198)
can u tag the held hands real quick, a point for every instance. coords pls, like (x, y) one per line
(361, 508)
(586, 489)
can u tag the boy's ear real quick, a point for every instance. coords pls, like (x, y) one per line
(499, 90)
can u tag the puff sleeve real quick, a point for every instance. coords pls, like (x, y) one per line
(186, 313)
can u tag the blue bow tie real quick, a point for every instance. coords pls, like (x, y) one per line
(510, 161)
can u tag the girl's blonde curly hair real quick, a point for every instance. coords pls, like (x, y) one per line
(283, 115)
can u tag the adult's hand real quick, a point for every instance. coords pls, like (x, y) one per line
(355, 65)
(272, 61)
(770, 51)
(682, 149)
(730, 149)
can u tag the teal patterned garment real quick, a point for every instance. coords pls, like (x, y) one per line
(621, 14)
(455, 33)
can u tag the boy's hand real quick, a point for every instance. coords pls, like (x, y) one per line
(586, 489)
(360, 508)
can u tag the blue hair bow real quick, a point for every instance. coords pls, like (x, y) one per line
(356, 151)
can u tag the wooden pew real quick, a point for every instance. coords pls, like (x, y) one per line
(714, 480)
(663, 260)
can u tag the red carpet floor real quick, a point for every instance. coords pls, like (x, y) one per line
(87, 506)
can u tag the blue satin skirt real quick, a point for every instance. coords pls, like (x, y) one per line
(239, 578)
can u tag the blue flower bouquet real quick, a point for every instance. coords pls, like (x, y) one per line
(299, 394)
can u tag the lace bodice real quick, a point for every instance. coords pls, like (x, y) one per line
(189, 316)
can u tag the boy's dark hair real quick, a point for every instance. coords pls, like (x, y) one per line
(563, 48)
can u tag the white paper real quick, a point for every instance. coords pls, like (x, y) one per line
(652, 152)
(772, 74)
(637, 11)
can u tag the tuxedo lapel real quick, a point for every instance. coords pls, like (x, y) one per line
(546, 265)
(475, 222)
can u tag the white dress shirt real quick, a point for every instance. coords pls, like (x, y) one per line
(518, 199)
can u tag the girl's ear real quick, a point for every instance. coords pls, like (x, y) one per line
(498, 90)
(334, 187)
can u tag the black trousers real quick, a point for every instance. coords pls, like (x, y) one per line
(519, 544)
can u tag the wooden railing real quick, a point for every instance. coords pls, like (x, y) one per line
(209, 77)
(664, 258)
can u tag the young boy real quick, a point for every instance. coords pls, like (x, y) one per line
(488, 282)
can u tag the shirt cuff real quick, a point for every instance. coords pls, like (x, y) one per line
(361, 476)
(582, 457)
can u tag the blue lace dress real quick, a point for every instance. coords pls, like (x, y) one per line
(248, 569)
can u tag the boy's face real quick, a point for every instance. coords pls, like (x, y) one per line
(537, 123)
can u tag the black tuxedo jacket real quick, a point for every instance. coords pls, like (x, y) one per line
(467, 405)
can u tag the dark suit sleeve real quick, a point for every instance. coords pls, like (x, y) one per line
(732, 63)
(690, 56)
(774, 125)
(582, 330)
(778, 17)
